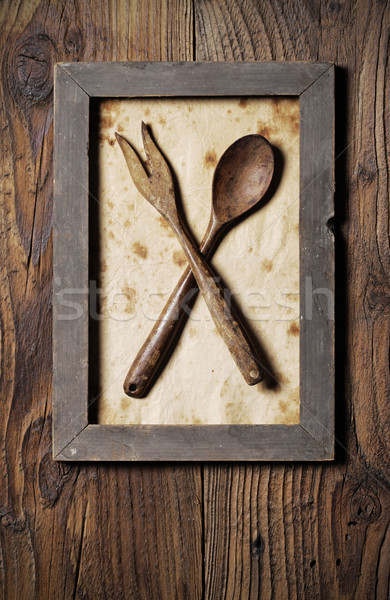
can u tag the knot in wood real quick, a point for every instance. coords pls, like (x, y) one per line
(377, 293)
(32, 67)
(334, 7)
(52, 477)
(258, 547)
(365, 506)
(13, 523)
(73, 43)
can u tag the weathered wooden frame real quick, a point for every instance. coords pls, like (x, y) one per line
(73, 437)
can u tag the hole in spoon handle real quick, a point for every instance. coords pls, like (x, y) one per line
(256, 374)
(134, 387)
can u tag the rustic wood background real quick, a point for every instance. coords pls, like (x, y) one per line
(164, 531)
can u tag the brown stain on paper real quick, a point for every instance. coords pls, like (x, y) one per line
(131, 297)
(243, 103)
(284, 380)
(288, 408)
(236, 413)
(283, 107)
(286, 110)
(179, 258)
(107, 121)
(125, 403)
(210, 159)
(267, 265)
(283, 406)
(288, 412)
(225, 389)
(293, 329)
(267, 131)
(195, 420)
(192, 419)
(140, 250)
(108, 113)
(294, 125)
(284, 119)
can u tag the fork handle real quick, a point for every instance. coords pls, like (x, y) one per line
(167, 329)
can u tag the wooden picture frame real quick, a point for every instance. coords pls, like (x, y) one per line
(74, 438)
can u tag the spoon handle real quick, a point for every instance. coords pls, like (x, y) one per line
(167, 329)
(234, 336)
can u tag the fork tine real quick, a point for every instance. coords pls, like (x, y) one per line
(136, 169)
(157, 162)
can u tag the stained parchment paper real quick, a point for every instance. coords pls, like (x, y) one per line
(141, 260)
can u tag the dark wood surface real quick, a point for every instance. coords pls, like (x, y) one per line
(191, 531)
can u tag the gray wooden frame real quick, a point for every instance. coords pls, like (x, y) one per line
(73, 437)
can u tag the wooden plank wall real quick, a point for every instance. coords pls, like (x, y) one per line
(164, 531)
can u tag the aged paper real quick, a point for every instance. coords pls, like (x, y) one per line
(141, 261)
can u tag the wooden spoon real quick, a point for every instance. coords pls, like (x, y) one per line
(241, 179)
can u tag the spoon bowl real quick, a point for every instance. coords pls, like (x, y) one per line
(242, 177)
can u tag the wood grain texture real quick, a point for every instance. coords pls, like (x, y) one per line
(320, 531)
(281, 531)
(73, 531)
